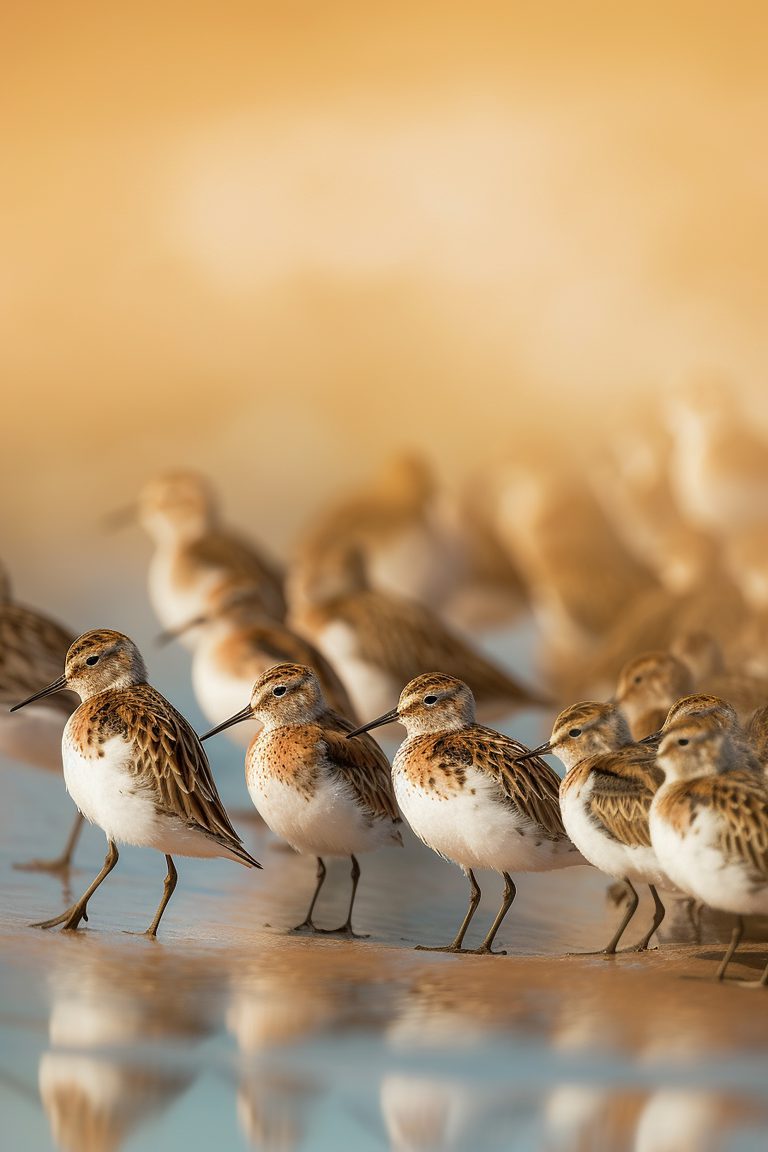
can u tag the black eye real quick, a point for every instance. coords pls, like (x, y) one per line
(280, 690)
(682, 743)
(638, 679)
(91, 660)
(574, 732)
(430, 700)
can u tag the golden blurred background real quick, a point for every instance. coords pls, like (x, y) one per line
(279, 241)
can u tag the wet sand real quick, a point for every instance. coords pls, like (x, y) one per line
(231, 1032)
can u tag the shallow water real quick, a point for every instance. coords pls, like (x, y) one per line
(231, 1033)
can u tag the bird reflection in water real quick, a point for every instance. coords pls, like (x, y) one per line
(120, 1029)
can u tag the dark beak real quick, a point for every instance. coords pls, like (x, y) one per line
(653, 738)
(57, 686)
(388, 718)
(171, 634)
(244, 714)
(120, 518)
(542, 750)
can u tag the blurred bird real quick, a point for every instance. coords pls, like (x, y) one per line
(403, 527)
(236, 644)
(377, 641)
(194, 553)
(32, 651)
(704, 656)
(648, 686)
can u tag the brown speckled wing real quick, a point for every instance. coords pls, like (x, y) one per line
(530, 786)
(171, 758)
(32, 654)
(226, 551)
(407, 639)
(623, 786)
(740, 800)
(362, 764)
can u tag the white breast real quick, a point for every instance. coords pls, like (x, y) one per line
(219, 693)
(473, 827)
(636, 863)
(330, 822)
(370, 687)
(176, 604)
(695, 863)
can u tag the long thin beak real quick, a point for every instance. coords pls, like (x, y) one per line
(244, 714)
(57, 686)
(542, 750)
(171, 634)
(653, 738)
(120, 518)
(388, 718)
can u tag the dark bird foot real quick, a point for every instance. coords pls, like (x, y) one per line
(486, 950)
(68, 920)
(440, 948)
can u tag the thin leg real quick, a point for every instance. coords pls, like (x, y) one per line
(62, 862)
(634, 900)
(736, 935)
(346, 928)
(169, 884)
(308, 922)
(72, 917)
(474, 900)
(658, 915)
(509, 895)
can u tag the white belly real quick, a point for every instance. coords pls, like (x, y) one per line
(220, 694)
(371, 689)
(329, 823)
(110, 795)
(636, 863)
(175, 604)
(695, 865)
(477, 830)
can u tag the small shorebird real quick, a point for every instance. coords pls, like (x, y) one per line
(605, 797)
(236, 644)
(134, 766)
(312, 787)
(709, 823)
(404, 527)
(194, 552)
(376, 642)
(648, 686)
(463, 793)
(32, 650)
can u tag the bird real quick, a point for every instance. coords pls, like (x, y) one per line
(135, 767)
(709, 823)
(322, 794)
(648, 686)
(236, 643)
(605, 797)
(377, 642)
(32, 650)
(461, 790)
(402, 524)
(194, 552)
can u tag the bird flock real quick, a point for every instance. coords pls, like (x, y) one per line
(649, 601)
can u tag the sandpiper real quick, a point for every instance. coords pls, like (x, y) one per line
(709, 823)
(134, 766)
(236, 644)
(605, 797)
(324, 795)
(376, 642)
(648, 686)
(463, 793)
(32, 650)
(194, 552)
